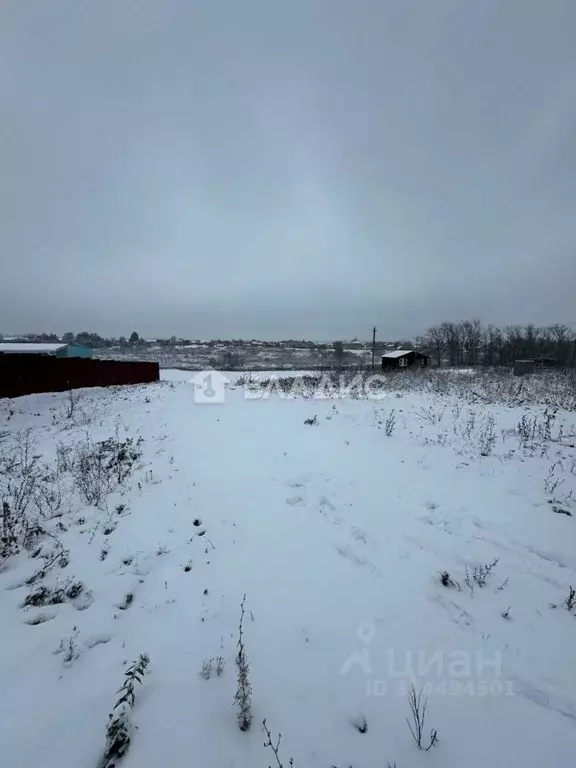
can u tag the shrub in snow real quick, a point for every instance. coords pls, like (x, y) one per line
(487, 436)
(61, 593)
(275, 746)
(552, 482)
(119, 726)
(52, 557)
(243, 695)
(70, 648)
(447, 581)
(99, 467)
(535, 431)
(212, 664)
(390, 425)
(570, 601)
(478, 574)
(127, 602)
(418, 707)
(29, 491)
(8, 537)
(206, 669)
(360, 724)
(311, 422)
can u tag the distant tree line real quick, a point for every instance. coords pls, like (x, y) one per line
(470, 343)
(450, 343)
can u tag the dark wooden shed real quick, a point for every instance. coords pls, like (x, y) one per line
(403, 359)
(522, 367)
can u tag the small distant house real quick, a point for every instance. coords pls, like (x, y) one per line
(403, 359)
(54, 350)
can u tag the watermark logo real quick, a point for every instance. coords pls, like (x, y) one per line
(443, 672)
(326, 387)
(209, 387)
(361, 657)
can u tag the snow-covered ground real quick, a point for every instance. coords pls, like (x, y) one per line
(337, 531)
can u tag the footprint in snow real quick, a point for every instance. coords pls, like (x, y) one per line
(325, 503)
(456, 612)
(547, 700)
(358, 534)
(437, 522)
(296, 501)
(40, 618)
(95, 640)
(357, 559)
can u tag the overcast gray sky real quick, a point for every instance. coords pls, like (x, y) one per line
(286, 168)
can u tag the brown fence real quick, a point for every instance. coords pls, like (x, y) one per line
(28, 374)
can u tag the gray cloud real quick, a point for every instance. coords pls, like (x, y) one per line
(273, 169)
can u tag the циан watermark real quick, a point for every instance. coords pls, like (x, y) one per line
(443, 672)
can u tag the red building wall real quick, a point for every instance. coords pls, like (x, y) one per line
(28, 374)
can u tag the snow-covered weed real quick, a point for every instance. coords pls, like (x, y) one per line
(60, 593)
(275, 747)
(469, 425)
(431, 415)
(210, 665)
(52, 556)
(552, 481)
(478, 574)
(418, 708)
(554, 388)
(98, 468)
(29, 492)
(118, 732)
(64, 457)
(243, 695)
(126, 602)
(70, 648)
(73, 412)
(361, 724)
(390, 424)
(487, 436)
(447, 581)
(535, 432)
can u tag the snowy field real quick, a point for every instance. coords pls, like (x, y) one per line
(426, 538)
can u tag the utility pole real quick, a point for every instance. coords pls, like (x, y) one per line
(373, 346)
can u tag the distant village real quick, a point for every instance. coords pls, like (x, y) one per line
(461, 344)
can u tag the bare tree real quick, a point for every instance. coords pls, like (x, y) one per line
(339, 352)
(471, 336)
(451, 333)
(563, 337)
(435, 340)
(489, 345)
